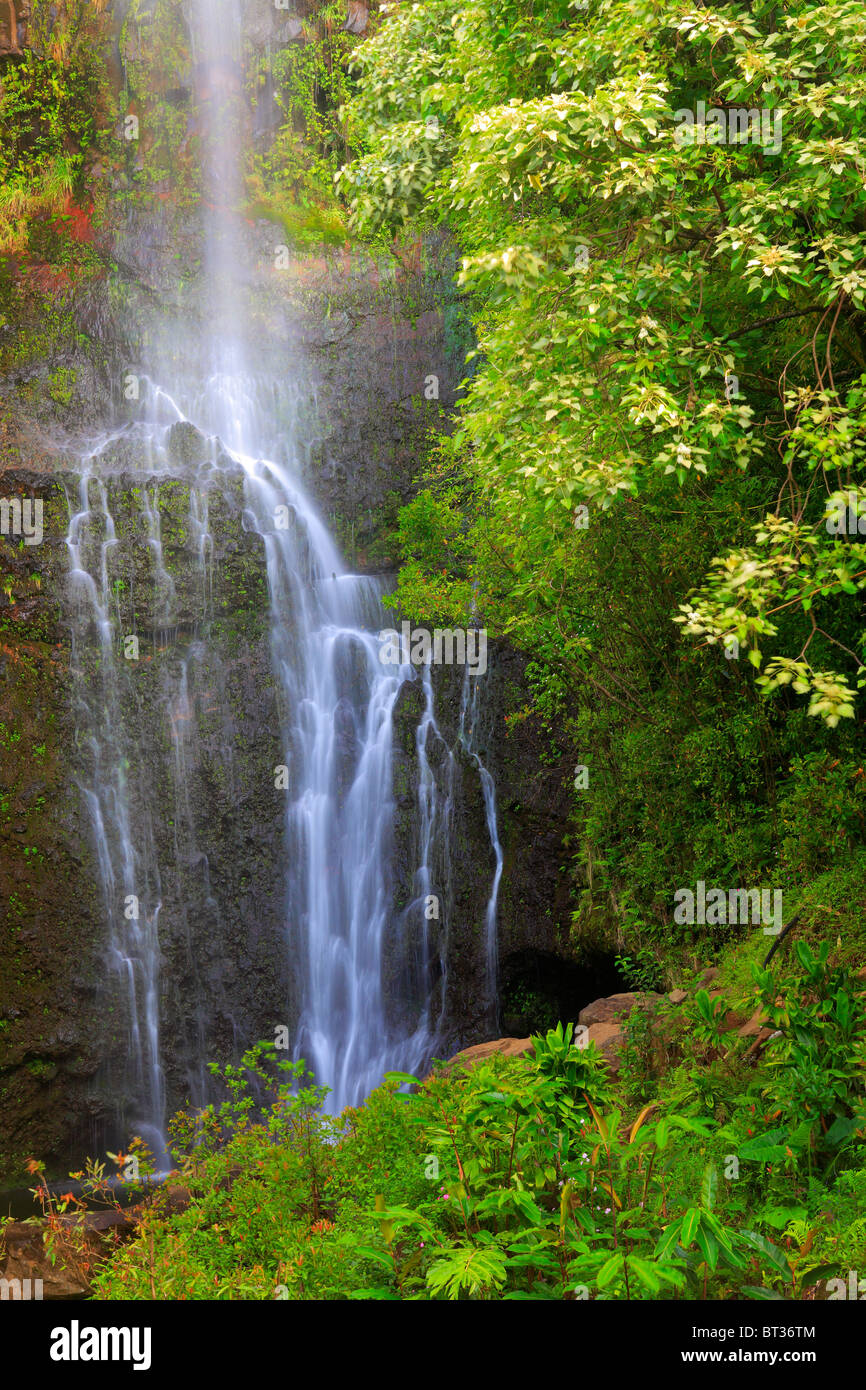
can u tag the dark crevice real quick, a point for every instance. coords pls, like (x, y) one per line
(538, 989)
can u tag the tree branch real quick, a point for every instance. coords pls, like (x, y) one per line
(776, 318)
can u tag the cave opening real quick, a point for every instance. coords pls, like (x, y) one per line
(538, 988)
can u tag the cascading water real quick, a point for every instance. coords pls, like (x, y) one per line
(338, 699)
(470, 728)
(128, 867)
(335, 707)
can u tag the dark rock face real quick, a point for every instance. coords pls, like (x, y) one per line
(377, 349)
(347, 745)
(462, 865)
(217, 820)
(533, 914)
(51, 1033)
(201, 705)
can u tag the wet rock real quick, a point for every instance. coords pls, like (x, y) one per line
(187, 446)
(437, 750)
(357, 17)
(60, 1041)
(346, 740)
(407, 712)
(27, 1259)
(756, 1025)
(350, 669)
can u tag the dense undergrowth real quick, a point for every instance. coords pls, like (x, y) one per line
(698, 1175)
(54, 107)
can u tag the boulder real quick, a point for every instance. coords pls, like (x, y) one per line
(186, 445)
(731, 1021)
(94, 1235)
(755, 1025)
(707, 976)
(677, 996)
(508, 1047)
(26, 1258)
(614, 1007)
(608, 1038)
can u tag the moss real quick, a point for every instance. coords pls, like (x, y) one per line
(303, 227)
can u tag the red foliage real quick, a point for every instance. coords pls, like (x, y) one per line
(77, 221)
(48, 279)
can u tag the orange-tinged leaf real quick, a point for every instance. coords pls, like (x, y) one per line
(647, 1110)
(599, 1120)
(608, 1188)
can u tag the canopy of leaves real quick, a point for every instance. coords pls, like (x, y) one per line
(662, 212)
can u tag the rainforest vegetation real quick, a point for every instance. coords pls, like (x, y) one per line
(653, 485)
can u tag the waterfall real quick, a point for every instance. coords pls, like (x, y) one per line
(335, 706)
(128, 868)
(471, 720)
(339, 700)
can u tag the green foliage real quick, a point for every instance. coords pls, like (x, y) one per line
(291, 182)
(519, 999)
(552, 143)
(819, 1064)
(638, 1056)
(514, 1179)
(605, 477)
(576, 1073)
(257, 1172)
(50, 102)
(600, 482)
(822, 811)
(641, 971)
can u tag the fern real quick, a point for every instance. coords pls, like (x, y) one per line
(467, 1269)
